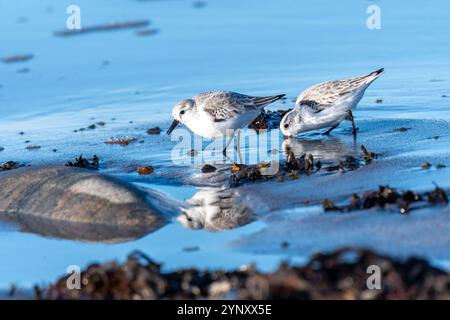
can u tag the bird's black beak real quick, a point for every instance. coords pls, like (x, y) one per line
(172, 126)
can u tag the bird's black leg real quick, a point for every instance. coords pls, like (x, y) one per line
(327, 133)
(350, 118)
(228, 143)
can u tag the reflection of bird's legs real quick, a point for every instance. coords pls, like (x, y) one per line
(327, 133)
(350, 118)
(228, 143)
(239, 145)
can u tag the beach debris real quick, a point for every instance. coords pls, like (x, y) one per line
(198, 4)
(329, 205)
(294, 167)
(123, 141)
(145, 170)
(207, 168)
(104, 27)
(191, 249)
(235, 167)
(437, 196)
(147, 32)
(23, 70)
(10, 165)
(267, 120)
(17, 58)
(325, 276)
(155, 130)
(91, 126)
(22, 20)
(426, 165)
(192, 153)
(33, 147)
(386, 197)
(81, 162)
(368, 156)
(402, 129)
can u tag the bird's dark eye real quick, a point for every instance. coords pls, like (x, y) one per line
(182, 112)
(187, 217)
(286, 126)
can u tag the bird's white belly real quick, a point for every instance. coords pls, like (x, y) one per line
(204, 126)
(324, 119)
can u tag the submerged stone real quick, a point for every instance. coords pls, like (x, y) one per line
(75, 203)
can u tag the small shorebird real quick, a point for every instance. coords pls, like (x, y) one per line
(219, 114)
(326, 105)
(216, 210)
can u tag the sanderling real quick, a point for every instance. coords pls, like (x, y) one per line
(326, 105)
(215, 210)
(218, 114)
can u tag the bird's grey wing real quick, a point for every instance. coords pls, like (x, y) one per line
(321, 96)
(325, 94)
(223, 106)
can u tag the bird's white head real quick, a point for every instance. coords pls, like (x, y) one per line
(181, 112)
(192, 218)
(291, 123)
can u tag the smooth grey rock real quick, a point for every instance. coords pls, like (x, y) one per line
(75, 203)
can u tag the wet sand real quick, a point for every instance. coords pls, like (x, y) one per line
(81, 81)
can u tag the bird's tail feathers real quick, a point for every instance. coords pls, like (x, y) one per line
(374, 75)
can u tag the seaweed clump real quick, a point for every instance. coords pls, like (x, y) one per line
(155, 130)
(145, 170)
(123, 141)
(10, 165)
(294, 167)
(81, 162)
(207, 168)
(386, 197)
(104, 27)
(268, 120)
(17, 58)
(341, 274)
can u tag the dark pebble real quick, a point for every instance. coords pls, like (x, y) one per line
(155, 130)
(207, 168)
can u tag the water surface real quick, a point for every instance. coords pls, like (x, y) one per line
(254, 47)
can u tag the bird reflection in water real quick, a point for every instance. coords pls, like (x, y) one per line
(328, 150)
(216, 210)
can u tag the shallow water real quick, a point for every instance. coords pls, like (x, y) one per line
(263, 47)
